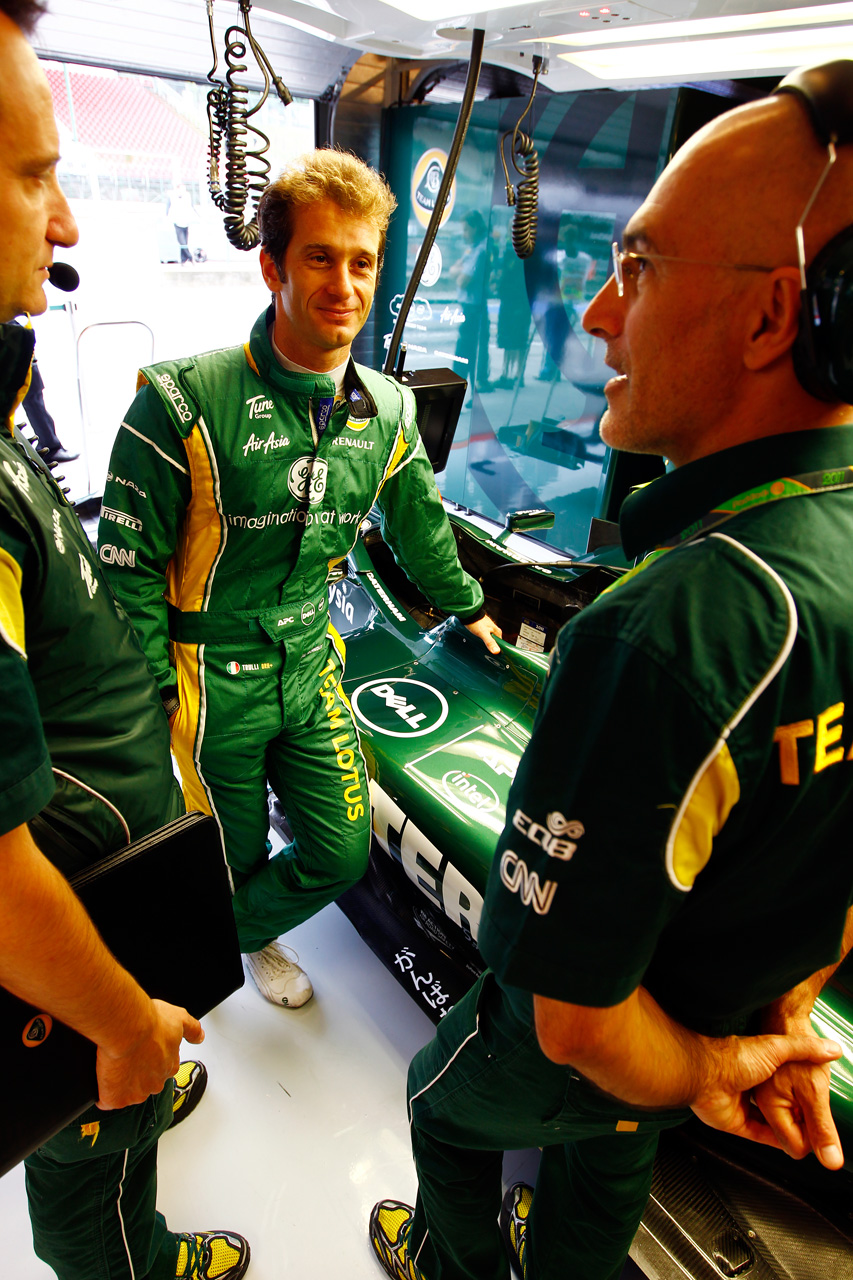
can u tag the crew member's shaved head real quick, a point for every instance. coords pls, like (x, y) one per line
(750, 173)
(701, 341)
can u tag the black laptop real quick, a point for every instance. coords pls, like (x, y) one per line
(163, 907)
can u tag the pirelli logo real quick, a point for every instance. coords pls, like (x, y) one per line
(121, 517)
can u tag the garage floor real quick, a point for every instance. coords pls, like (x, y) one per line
(303, 1124)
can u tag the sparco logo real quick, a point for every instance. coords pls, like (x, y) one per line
(260, 407)
(308, 474)
(387, 705)
(118, 555)
(182, 409)
(553, 838)
(472, 790)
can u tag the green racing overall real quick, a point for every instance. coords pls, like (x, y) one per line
(226, 512)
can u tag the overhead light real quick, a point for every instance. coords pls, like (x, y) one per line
(440, 10)
(332, 28)
(777, 51)
(729, 25)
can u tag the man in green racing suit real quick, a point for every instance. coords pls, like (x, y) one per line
(237, 485)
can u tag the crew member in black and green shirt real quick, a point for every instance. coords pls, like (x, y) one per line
(674, 876)
(86, 769)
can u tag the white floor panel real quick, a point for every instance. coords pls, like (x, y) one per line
(303, 1125)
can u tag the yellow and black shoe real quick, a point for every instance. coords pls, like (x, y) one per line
(515, 1211)
(212, 1255)
(190, 1084)
(388, 1231)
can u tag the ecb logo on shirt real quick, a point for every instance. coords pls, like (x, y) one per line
(308, 475)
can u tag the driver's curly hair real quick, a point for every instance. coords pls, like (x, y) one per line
(327, 174)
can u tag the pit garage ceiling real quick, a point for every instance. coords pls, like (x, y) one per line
(171, 38)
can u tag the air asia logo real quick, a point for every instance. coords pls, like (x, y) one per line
(400, 708)
(182, 409)
(557, 839)
(260, 407)
(118, 555)
(473, 791)
(120, 517)
(37, 1030)
(19, 478)
(270, 444)
(426, 181)
(308, 474)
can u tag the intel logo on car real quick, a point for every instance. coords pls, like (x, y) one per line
(473, 791)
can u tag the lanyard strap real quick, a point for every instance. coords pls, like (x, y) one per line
(787, 487)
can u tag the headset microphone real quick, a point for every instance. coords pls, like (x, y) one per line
(63, 276)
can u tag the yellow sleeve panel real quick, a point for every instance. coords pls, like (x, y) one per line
(11, 604)
(401, 447)
(702, 818)
(202, 538)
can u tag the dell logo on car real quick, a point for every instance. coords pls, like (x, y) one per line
(400, 708)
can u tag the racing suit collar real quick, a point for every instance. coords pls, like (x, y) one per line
(672, 502)
(360, 401)
(16, 354)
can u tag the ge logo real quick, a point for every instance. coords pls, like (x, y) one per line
(308, 475)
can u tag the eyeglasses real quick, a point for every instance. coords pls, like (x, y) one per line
(627, 265)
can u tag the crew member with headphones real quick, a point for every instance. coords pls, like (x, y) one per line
(674, 884)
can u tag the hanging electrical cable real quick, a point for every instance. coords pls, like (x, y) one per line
(228, 116)
(526, 201)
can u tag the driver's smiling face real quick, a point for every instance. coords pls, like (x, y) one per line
(327, 284)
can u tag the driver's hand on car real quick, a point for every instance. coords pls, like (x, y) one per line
(485, 629)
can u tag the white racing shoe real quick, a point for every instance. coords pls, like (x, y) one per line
(277, 977)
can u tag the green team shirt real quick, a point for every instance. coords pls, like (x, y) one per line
(680, 817)
(85, 743)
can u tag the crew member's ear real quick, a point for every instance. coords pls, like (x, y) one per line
(269, 271)
(774, 320)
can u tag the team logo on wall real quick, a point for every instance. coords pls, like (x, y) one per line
(308, 474)
(426, 181)
(400, 708)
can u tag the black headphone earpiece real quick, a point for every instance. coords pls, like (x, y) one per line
(823, 350)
